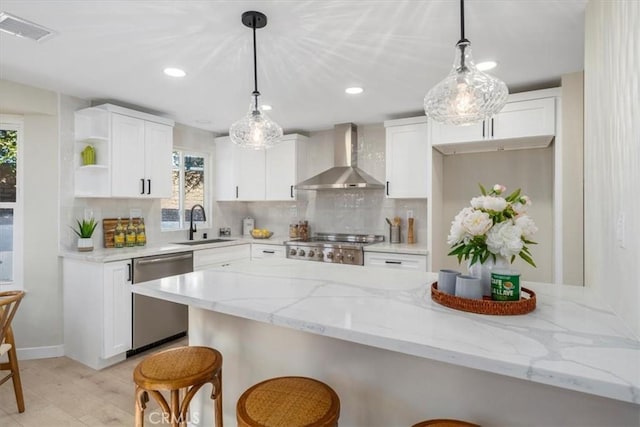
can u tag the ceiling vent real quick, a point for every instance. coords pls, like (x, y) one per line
(22, 28)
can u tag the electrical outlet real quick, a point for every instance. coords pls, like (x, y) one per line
(293, 211)
(409, 214)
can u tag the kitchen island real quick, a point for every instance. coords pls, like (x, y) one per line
(395, 357)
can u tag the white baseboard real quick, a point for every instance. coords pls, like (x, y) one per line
(30, 353)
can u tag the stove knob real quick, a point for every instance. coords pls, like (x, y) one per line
(320, 255)
(339, 257)
(311, 254)
(330, 255)
(301, 252)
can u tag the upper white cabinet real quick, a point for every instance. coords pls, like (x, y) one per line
(522, 123)
(408, 158)
(251, 175)
(132, 153)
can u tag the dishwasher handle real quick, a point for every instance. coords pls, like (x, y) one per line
(155, 260)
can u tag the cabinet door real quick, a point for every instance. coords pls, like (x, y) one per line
(408, 163)
(250, 174)
(225, 169)
(525, 118)
(448, 134)
(220, 257)
(397, 261)
(116, 337)
(280, 171)
(127, 156)
(158, 139)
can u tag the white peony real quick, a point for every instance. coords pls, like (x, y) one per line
(505, 239)
(527, 226)
(522, 205)
(499, 189)
(489, 203)
(457, 232)
(477, 223)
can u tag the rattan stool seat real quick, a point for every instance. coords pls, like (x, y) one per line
(179, 368)
(445, 423)
(290, 402)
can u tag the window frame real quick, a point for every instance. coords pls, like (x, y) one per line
(183, 224)
(12, 122)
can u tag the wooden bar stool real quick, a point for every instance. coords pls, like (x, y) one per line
(9, 302)
(182, 368)
(290, 402)
(445, 423)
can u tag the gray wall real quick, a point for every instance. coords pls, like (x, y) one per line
(612, 155)
(38, 322)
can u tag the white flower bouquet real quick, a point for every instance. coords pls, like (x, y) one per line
(493, 226)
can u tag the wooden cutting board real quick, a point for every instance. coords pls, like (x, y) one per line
(109, 228)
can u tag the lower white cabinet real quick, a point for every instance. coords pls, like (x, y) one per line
(97, 311)
(260, 250)
(221, 256)
(394, 260)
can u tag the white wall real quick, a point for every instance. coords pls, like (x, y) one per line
(612, 155)
(42, 304)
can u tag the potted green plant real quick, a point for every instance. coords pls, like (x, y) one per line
(85, 230)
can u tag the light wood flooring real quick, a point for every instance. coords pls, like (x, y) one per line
(62, 392)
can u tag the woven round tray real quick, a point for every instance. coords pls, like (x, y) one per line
(486, 306)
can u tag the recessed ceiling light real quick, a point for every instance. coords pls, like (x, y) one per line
(174, 72)
(354, 90)
(266, 107)
(486, 65)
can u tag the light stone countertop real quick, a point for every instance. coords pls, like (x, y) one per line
(570, 341)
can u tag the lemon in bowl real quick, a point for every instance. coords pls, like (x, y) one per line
(261, 233)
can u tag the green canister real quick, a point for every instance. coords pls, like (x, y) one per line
(505, 285)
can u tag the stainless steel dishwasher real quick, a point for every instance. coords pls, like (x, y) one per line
(156, 321)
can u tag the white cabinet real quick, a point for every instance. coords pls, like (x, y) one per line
(394, 260)
(408, 158)
(97, 311)
(524, 123)
(133, 153)
(116, 295)
(253, 175)
(221, 256)
(261, 250)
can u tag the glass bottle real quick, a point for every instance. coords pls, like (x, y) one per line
(118, 235)
(141, 237)
(130, 239)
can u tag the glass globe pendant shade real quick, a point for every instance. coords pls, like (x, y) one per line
(255, 130)
(466, 95)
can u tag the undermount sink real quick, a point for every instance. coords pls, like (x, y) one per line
(203, 242)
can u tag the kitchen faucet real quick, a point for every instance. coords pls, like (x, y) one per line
(192, 227)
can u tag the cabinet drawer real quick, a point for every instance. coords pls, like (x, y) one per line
(400, 261)
(217, 256)
(259, 250)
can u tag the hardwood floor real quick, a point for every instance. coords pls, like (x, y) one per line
(62, 392)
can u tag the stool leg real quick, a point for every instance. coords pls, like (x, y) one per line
(176, 420)
(141, 403)
(216, 395)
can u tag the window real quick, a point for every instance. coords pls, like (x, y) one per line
(10, 202)
(189, 185)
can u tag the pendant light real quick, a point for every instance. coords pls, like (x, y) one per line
(466, 95)
(255, 130)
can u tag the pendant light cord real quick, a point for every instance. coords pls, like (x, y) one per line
(255, 66)
(463, 42)
(462, 38)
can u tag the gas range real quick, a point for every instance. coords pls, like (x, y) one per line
(334, 248)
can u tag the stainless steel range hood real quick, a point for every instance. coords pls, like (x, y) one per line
(345, 172)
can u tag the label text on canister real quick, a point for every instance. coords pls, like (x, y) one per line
(505, 286)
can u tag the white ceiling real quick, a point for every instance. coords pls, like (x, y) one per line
(309, 52)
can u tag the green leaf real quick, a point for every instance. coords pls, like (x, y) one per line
(482, 190)
(513, 196)
(527, 258)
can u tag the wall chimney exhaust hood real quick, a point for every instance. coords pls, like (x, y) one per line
(345, 173)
